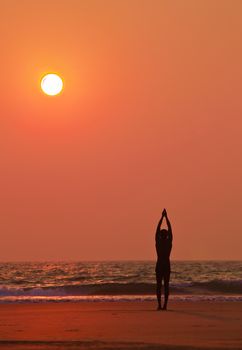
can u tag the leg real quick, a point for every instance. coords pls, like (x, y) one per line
(166, 287)
(158, 289)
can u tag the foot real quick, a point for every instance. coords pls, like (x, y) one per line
(159, 308)
(164, 308)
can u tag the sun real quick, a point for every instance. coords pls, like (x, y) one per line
(51, 84)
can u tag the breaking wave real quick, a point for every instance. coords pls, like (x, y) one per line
(192, 288)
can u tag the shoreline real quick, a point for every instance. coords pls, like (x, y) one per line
(192, 298)
(120, 325)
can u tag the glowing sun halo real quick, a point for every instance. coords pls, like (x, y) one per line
(51, 84)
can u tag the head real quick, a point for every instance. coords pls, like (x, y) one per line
(164, 234)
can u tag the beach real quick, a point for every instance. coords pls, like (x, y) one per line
(121, 325)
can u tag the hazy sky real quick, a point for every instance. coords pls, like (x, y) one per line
(150, 117)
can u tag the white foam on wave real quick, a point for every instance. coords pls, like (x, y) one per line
(119, 298)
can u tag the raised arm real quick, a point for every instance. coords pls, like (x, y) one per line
(159, 223)
(169, 226)
(158, 227)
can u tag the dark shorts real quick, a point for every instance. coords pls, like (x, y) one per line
(162, 271)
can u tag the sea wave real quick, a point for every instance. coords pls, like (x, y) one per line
(114, 289)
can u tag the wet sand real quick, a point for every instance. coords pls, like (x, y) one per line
(121, 325)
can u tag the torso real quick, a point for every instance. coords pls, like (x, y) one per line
(163, 249)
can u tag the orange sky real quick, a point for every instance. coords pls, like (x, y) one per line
(151, 117)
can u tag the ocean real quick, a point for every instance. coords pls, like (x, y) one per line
(118, 281)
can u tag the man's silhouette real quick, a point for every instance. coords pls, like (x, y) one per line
(163, 243)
